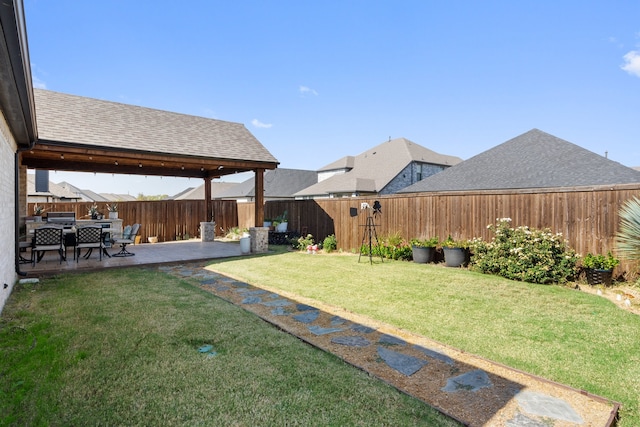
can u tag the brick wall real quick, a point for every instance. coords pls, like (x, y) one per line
(7, 208)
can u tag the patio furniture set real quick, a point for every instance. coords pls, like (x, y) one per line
(61, 231)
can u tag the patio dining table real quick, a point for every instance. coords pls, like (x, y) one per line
(70, 238)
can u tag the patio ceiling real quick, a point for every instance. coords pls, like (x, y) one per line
(89, 135)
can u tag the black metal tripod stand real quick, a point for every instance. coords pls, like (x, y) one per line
(370, 232)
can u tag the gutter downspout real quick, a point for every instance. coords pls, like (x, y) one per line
(17, 208)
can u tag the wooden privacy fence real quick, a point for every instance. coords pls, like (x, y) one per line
(586, 216)
(167, 219)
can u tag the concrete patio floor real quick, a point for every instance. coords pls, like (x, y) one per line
(145, 254)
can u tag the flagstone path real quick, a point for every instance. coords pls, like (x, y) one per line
(470, 389)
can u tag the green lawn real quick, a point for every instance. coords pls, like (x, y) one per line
(565, 335)
(121, 347)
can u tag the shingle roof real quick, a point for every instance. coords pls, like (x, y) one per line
(93, 122)
(93, 196)
(534, 159)
(376, 167)
(197, 193)
(55, 190)
(278, 183)
(113, 197)
(344, 163)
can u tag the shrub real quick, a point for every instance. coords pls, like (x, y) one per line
(425, 243)
(303, 242)
(235, 233)
(600, 262)
(330, 243)
(524, 254)
(390, 247)
(628, 238)
(450, 242)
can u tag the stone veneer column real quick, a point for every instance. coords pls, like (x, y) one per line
(259, 239)
(208, 231)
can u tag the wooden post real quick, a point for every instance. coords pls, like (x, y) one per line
(207, 200)
(259, 203)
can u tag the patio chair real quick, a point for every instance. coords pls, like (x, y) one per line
(47, 238)
(127, 239)
(89, 237)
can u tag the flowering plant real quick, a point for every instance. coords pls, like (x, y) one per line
(525, 254)
(38, 209)
(112, 208)
(93, 209)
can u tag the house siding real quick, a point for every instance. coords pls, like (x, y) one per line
(409, 176)
(8, 149)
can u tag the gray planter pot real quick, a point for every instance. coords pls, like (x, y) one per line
(455, 257)
(423, 255)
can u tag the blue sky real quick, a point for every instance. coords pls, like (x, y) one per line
(316, 81)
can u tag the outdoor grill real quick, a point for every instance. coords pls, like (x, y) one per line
(65, 219)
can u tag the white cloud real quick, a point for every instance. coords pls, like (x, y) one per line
(632, 63)
(304, 90)
(257, 123)
(35, 80)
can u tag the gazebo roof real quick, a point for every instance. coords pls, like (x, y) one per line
(89, 135)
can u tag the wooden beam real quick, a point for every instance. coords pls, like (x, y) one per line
(207, 199)
(52, 156)
(259, 204)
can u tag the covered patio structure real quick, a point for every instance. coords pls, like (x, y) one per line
(89, 135)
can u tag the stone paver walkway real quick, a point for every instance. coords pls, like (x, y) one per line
(472, 390)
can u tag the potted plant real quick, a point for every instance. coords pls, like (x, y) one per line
(281, 223)
(423, 250)
(456, 252)
(599, 268)
(93, 211)
(37, 212)
(113, 210)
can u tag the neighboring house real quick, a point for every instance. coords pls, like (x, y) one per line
(180, 194)
(112, 197)
(384, 169)
(279, 184)
(197, 193)
(92, 196)
(56, 193)
(534, 159)
(338, 167)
